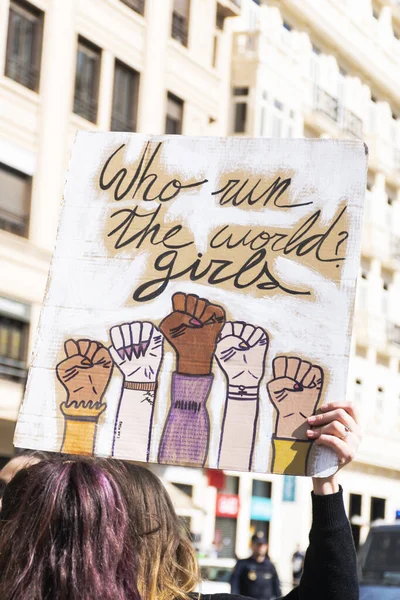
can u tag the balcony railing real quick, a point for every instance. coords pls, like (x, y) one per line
(122, 123)
(179, 28)
(396, 159)
(352, 124)
(85, 107)
(13, 369)
(326, 104)
(393, 334)
(136, 5)
(24, 73)
(14, 223)
(395, 247)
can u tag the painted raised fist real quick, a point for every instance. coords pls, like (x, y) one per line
(295, 391)
(85, 372)
(192, 328)
(137, 350)
(241, 351)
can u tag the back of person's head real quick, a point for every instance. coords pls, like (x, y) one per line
(89, 529)
(24, 458)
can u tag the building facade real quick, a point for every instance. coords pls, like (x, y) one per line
(316, 68)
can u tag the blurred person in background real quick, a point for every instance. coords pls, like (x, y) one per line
(256, 576)
(297, 565)
(97, 529)
(23, 459)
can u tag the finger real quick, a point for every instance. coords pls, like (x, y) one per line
(200, 307)
(212, 310)
(191, 302)
(247, 332)
(83, 346)
(178, 302)
(314, 378)
(227, 330)
(147, 331)
(71, 348)
(304, 368)
(338, 414)
(135, 332)
(349, 408)
(343, 450)
(126, 335)
(334, 428)
(238, 328)
(91, 351)
(116, 356)
(293, 366)
(116, 337)
(102, 357)
(279, 385)
(279, 367)
(256, 336)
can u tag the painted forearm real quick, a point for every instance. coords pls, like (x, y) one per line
(132, 430)
(80, 424)
(290, 456)
(186, 432)
(241, 413)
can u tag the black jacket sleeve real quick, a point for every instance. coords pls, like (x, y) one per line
(236, 576)
(330, 567)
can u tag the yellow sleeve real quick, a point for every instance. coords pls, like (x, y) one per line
(289, 457)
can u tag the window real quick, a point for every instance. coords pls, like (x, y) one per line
(13, 347)
(377, 509)
(174, 118)
(87, 80)
(287, 26)
(240, 117)
(185, 488)
(125, 98)
(180, 21)
(355, 511)
(231, 484)
(240, 91)
(24, 44)
(361, 351)
(15, 197)
(136, 5)
(261, 489)
(225, 537)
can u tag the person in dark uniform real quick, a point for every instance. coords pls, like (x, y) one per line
(256, 576)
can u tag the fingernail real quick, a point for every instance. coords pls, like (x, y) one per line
(195, 322)
(311, 433)
(86, 361)
(243, 345)
(312, 419)
(326, 406)
(297, 386)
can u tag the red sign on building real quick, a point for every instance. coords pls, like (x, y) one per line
(227, 505)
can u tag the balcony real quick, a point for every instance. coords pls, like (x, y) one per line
(352, 124)
(395, 247)
(326, 104)
(393, 334)
(229, 8)
(180, 28)
(136, 5)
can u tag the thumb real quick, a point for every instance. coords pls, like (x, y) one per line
(283, 383)
(231, 342)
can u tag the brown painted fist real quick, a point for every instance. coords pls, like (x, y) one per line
(295, 392)
(85, 373)
(192, 329)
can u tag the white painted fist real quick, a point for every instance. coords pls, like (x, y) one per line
(137, 350)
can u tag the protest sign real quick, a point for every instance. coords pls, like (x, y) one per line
(199, 303)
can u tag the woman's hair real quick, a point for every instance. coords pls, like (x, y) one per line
(89, 529)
